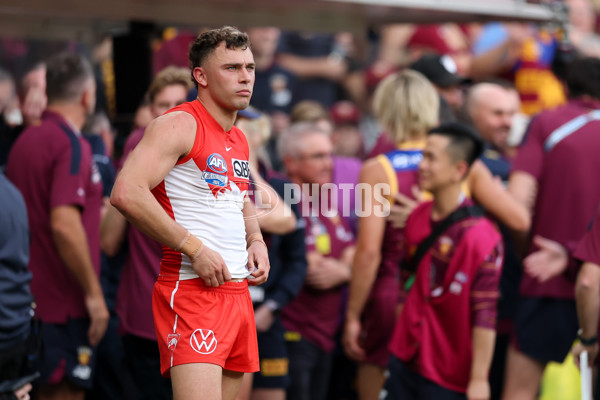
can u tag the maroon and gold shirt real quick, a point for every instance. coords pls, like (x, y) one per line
(434, 330)
(316, 314)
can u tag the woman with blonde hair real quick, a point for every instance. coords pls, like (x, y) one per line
(406, 105)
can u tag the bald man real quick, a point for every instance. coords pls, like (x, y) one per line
(491, 108)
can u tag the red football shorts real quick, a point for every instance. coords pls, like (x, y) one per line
(199, 324)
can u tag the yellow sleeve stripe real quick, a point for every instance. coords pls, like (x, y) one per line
(391, 175)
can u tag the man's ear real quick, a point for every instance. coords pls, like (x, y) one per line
(200, 76)
(462, 169)
(88, 98)
(289, 164)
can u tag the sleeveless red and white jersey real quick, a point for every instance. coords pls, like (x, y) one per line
(205, 194)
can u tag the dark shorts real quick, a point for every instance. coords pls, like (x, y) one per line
(17, 362)
(379, 320)
(274, 361)
(406, 384)
(67, 353)
(143, 359)
(545, 328)
(310, 370)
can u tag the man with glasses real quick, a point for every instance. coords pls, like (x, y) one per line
(312, 319)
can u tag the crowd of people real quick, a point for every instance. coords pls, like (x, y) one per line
(306, 216)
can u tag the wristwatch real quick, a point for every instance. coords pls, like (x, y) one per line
(587, 341)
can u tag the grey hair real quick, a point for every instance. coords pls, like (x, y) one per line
(290, 141)
(96, 122)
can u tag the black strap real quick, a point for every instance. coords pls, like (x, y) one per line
(456, 216)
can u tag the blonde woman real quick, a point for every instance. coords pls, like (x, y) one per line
(406, 105)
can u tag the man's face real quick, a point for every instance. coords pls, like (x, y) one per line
(453, 95)
(169, 97)
(493, 114)
(264, 40)
(313, 164)
(437, 169)
(6, 93)
(229, 77)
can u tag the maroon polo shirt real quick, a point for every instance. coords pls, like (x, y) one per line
(316, 314)
(134, 299)
(588, 249)
(52, 166)
(568, 192)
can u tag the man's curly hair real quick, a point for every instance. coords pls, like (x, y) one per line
(208, 41)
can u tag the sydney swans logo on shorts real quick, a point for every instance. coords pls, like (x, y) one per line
(216, 170)
(203, 341)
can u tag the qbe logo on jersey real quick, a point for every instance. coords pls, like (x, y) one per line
(241, 169)
(203, 341)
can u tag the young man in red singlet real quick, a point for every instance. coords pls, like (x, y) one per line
(185, 185)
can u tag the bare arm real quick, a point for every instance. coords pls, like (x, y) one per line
(273, 214)
(166, 139)
(366, 260)
(314, 67)
(112, 231)
(483, 351)
(587, 294)
(502, 56)
(72, 244)
(258, 258)
(523, 187)
(327, 272)
(491, 195)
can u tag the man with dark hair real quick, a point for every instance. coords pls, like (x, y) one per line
(444, 338)
(552, 176)
(185, 185)
(51, 164)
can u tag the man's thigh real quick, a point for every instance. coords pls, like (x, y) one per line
(197, 381)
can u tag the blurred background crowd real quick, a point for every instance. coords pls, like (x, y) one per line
(495, 76)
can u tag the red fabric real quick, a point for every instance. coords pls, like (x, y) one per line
(567, 196)
(436, 332)
(199, 324)
(429, 37)
(382, 145)
(210, 138)
(173, 52)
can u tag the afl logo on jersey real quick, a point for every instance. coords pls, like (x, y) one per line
(216, 170)
(216, 163)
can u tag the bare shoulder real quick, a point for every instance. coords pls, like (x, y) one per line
(175, 131)
(372, 172)
(179, 121)
(477, 172)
